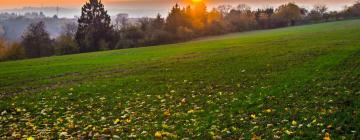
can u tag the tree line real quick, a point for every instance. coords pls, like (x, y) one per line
(95, 32)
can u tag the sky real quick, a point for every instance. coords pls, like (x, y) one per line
(139, 8)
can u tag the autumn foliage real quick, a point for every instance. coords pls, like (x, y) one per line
(95, 31)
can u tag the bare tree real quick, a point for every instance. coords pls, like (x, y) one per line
(121, 21)
(321, 9)
(145, 23)
(243, 8)
(224, 9)
(70, 29)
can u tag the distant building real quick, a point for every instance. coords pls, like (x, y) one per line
(12, 25)
(6, 15)
(34, 15)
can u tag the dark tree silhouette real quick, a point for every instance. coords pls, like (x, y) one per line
(288, 14)
(36, 41)
(176, 19)
(158, 22)
(95, 31)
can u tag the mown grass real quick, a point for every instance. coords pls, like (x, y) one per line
(291, 83)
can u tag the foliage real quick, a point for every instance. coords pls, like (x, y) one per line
(2, 49)
(36, 41)
(289, 83)
(176, 18)
(70, 30)
(15, 52)
(65, 45)
(95, 33)
(353, 11)
(263, 18)
(158, 23)
(318, 13)
(12, 51)
(94, 27)
(287, 14)
(130, 37)
(242, 19)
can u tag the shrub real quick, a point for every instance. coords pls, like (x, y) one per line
(65, 45)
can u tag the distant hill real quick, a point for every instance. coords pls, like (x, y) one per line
(48, 11)
(13, 28)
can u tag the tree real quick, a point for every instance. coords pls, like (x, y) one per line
(263, 17)
(2, 49)
(224, 9)
(70, 30)
(197, 17)
(94, 27)
(287, 14)
(322, 9)
(11, 51)
(158, 22)
(243, 8)
(36, 41)
(215, 23)
(14, 52)
(242, 19)
(121, 21)
(353, 11)
(65, 45)
(130, 37)
(145, 23)
(176, 19)
(318, 12)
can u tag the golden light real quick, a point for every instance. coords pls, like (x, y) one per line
(196, 1)
(192, 2)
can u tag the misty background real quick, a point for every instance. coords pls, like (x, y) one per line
(14, 20)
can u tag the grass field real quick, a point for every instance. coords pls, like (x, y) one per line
(290, 83)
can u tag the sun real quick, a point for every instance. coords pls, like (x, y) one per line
(196, 1)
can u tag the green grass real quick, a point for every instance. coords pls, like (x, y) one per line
(290, 83)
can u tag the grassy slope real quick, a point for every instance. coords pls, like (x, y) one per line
(297, 82)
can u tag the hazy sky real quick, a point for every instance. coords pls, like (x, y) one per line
(151, 7)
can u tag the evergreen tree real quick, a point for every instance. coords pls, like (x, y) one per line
(36, 41)
(176, 19)
(94, 28)
(158, 22)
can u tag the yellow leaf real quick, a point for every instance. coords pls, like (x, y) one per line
(116, 121)
(183, 100)
(158, 134)
(255, 137)
(71, 125)
(288, 132)
(165, 126)
(167, 113)
(30, 138)
(327, 136)
(294, 123)
(253, 116)
(191, 111)
(18, 109)
(128, 120)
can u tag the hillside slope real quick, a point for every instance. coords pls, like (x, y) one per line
(297, 82)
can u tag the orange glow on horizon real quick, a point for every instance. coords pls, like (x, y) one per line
(40, 3)
(197, 1)
(78, 3)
